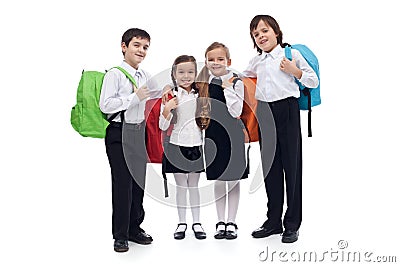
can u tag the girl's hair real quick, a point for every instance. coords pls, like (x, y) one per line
(271, 22)
(203, 111)
(179, 60)
(134, 32)
(204, 75)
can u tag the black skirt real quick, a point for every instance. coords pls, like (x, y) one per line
(181, 159)
(224, 144)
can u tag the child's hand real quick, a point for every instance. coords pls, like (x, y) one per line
(289, 67)
(171, 104)
(167, 90)
(226, 83)
(142, 93)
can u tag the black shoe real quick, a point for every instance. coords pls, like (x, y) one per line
(180, 234)
(199, 234)
(220, 234)
(121, 245)
(141, 238)
(229, 233)
(266, 231)
(290, 236)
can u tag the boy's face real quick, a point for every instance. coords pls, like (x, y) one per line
(216, 62)
(136, 51)
(265, 37)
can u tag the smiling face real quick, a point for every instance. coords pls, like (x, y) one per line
(185, 74)
(265, 37)
(136, 51)
(217, 61)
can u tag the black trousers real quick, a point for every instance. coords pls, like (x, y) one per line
(286, 165)
(126, 154)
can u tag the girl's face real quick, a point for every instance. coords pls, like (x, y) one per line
(136, 51)
(265, 37)
(216, 62)
(185, 74)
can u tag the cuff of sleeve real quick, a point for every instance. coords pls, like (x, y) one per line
(133, 99)
(164, 123)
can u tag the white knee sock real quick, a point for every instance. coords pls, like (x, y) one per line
(194, 198)
(220, 201)
(233, 201)
(181, 180)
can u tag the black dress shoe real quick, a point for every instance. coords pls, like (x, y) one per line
(229, 233)
(199, 234)
(266, 231)
(121, 245)
(220, 234)
(290, 236)
(141, 238)
(180, 234)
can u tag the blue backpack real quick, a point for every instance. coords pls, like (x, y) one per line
(309, 97)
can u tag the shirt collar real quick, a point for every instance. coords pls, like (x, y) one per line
(223, 77)
(183, 91)
(275, 53)
(131, 70)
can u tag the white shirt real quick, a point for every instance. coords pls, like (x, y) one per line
(185, 132)
(117, 93)
(272, 83)
(234, 96)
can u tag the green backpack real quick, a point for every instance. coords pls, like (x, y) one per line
(86, 116)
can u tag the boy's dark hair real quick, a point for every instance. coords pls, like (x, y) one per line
(134, 32)
(270, 21)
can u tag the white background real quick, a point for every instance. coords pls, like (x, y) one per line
(55, 187)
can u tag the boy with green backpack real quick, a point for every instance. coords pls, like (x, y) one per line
(123, 99)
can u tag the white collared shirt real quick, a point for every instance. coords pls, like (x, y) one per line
(117, 93)
(272, 83)
(185, 132)
(234, 96)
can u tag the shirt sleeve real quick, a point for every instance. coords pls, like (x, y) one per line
(250, 71)
(110, 101)
(153, 86)
(234, 99)
(308, 78)
(163, 123)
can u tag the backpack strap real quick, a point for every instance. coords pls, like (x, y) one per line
(163, 164)
(235, 79)
(243, 125)
(306, 91)
(127, 75)
(113, 116)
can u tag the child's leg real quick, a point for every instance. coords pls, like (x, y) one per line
(220, 201)
(181, 180)
(194, 195)
(194, 198)
(233, 202)
(292, 164)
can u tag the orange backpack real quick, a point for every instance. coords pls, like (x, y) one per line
(248, 115)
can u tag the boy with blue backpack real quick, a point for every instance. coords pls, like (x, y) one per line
(278, 116)
(124, 100)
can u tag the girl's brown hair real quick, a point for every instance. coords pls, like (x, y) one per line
(179, 60)
(203, 111)
(204, 75)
